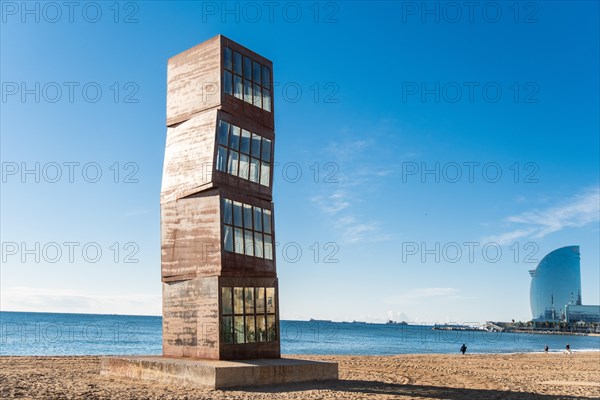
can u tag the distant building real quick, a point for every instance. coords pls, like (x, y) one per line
(580, 313)
(556, 283)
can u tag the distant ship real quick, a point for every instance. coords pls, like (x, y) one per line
(320, 320)
(390, 322)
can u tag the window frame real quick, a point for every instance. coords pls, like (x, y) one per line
(235, 152)
(248, 313)
(261, 91)
(242, 237)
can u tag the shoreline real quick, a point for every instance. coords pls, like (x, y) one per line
(300, 355)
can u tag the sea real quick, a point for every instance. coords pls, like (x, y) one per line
(54, 334)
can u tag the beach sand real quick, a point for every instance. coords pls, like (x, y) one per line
(471, 377)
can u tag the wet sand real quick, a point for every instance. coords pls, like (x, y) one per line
(471, 377)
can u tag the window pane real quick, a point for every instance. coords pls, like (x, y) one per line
(227, 82)
(238, 300)
(255, 145)
(271, 329)
(237, 86)
(223, 132)
(268, 247)
(239, 241)
(258, 245)
(247, 216)
(244, 166)
(266, 77)
(258, 219)
(254, 167)
(266, 99)
(239, 329)
(249, 244)
(250, 330)
(234, 140)
(249, 300)
(227, 215)
(228, 59)
(265, 173)
(257, 96)
(267, 220)
(237, 213)
(227, 300)
(270, 300)
(247, 91)
(261, 328)
(245, 142)
(256, 72)
(232, 165)
(260, 300)
(228, 238)
(228, 330)
(222, 159)
(247, 68)
(266, 150)
(237, 63)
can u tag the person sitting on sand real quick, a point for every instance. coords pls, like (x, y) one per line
(463, 349)
(568, 349)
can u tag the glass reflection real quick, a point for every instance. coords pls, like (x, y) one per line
(238, 300)
(227, 300)
(271, 328)
(228, 330)
(260, 300)
(261, 328)
(239, 329)
(250, 329)
(270, 300)
(249, 300)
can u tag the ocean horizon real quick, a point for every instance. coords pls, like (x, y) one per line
(62, 334)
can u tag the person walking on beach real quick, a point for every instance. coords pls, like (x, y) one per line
(546, 348)
(463, 349)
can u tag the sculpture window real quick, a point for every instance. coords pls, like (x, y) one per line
(246, 79)
(243, 153)
(248, 315)
(247, 229)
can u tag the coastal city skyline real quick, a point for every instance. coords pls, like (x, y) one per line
(419, 182)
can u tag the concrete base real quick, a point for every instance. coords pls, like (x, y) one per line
(218, 374)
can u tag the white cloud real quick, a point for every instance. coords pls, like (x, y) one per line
(581, 210)
(340, 199)
(75, 301)
(332, 203)
(353, 231)
(420, 295)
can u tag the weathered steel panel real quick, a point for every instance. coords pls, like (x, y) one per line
(194, 81)
(190, 318)
(191, 236)
(189, 157)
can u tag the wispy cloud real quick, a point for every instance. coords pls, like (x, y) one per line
(357, 166)
(75, 301)
(348, 149)
(580, 210)
(422, 294)
(354, 231)
(332, 203)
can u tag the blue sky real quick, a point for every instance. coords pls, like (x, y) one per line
(413, 145)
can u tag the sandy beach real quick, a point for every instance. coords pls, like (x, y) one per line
(515, 376)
